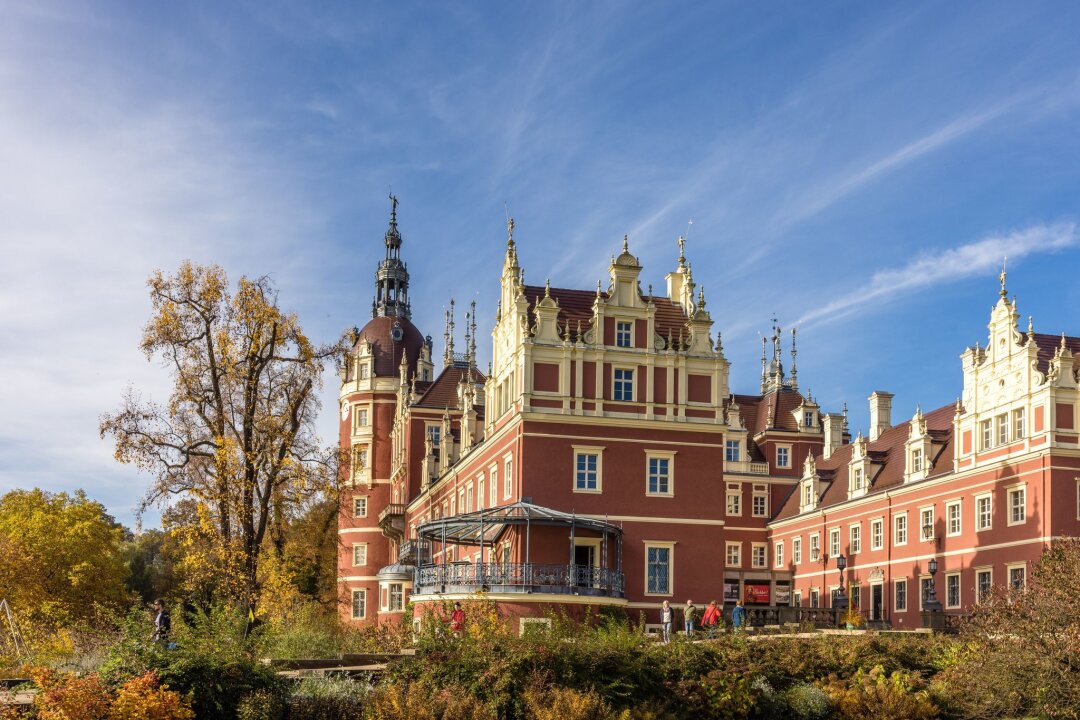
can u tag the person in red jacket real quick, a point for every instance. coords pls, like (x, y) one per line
(711, 620)
(457, 618)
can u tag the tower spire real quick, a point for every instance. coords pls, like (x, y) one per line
(794, 372)
(448, 337)
(1001, 277)
(763, 363)
(472, 337)
(392, 276)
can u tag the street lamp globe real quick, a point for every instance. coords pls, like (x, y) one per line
(932, 566)
(841, 562)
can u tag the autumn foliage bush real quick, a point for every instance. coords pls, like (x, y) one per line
(68, 696)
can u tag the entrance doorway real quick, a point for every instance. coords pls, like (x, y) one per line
(586, 559)
(876, 602)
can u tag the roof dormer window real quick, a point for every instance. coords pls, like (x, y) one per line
(622, 334)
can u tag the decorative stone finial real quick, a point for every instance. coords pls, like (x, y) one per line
(1001, 277)
(1031, 329)
(626, 244)
(547, 288)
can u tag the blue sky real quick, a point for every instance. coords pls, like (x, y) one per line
(856, 168)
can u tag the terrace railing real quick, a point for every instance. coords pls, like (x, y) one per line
(518, 577)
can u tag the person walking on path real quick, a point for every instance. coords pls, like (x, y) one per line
(666, 616)
(162, 622)
(457, 618)
(711, 620)
(690, 616)
(738, 616)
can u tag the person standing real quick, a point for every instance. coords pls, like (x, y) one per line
(738, 616)
(162, 622)
(710, 621)
(457, 618)
(690, 616)
(666, 616)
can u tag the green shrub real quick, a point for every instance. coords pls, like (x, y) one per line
(261, 705)
(808, 702)
(216, 686)
(327, 699)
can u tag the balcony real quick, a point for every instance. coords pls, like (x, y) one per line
(744, 467)
(518, 578)
(392, 521)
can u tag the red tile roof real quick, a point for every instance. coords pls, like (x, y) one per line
(889, 459)
(1048, 345)
(443, 391)
(387, 352)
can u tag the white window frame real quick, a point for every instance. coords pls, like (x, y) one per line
(360, 506)
(589, 450)
(362, 549)
(979, 527)
(786, 449)
(733, 499)
(670, 547)
(951, 507)
(916, 460)
(732, 450)
(808, 418)
(391, 605)
(732, 559)
(433, 431)
(1019, 423)
(922, 596)
(668, 455)
(988, 570)
(986, 430)
(759, 550)
(364, 370)
(628, 326)
(616, 380)
(508, 480)
(877, 533)
(900, 529)
(927, 513)
(778, 554)
(815, 547)
(363, 604)
(759, 492)
(959, 591)
(360, 413)
(855, 539)
(900, 591)
(796, 550)
(493, 488)
(481, 491)
(834, 542)
(1001, 429)
(1009, 568)
(1009, 493)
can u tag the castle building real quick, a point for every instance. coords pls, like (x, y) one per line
(604, 460)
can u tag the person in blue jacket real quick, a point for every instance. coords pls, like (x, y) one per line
(738, 616)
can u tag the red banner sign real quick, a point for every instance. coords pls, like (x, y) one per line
(756, 593)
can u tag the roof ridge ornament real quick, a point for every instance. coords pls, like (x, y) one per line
(1002, 276)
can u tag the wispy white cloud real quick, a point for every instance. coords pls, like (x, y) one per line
(950, 265)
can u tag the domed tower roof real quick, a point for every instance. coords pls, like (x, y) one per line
(390, 338)
(392, 276)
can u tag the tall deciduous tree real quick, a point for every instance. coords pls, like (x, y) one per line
(237, 434)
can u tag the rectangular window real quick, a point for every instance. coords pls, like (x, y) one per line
(658, 570)
(359, 604)
(435, 433)
(916, 460)
(731, 450)
(586, 476)
(759, 555)
(808, 418)
(783, 457)
(857, 482)
(761, 505)
(796, 598)
(624, 385)
(952, 518)
(1019, 427)
(734, 502)
(359, 554)
(924, 591)
(815, 547)
(987, 434)
(359, 507)
(952, 590)
(926, 523)
(508, 478)
(779, 554)
(480, 494)
(733, 556)
(1017, 576)
(856, 596)
(622, 334)
(900, 592)
(983, 514)
(1003, 429)
(1017, 505)
(796, 550)
(364, 371)
(834, 542)
(983, 583)
(360, 418)
(877, 532)
(493, 471)
(856, 539)
(659, 476)
(397, 598)
(815, 600)
(899, 530)
(807, 495)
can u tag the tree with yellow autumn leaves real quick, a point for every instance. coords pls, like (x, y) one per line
(236, 438)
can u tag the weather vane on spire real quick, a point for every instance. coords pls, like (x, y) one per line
(393, 206)
(1001, 277)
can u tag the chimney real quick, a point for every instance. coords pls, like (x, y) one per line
(880, 413)
(833, 425)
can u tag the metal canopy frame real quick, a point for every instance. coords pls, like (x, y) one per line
(483, 527)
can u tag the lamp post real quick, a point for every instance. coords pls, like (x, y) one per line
(840, 602)
(932, 616)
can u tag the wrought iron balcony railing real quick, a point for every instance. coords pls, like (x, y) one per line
(518, 577)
